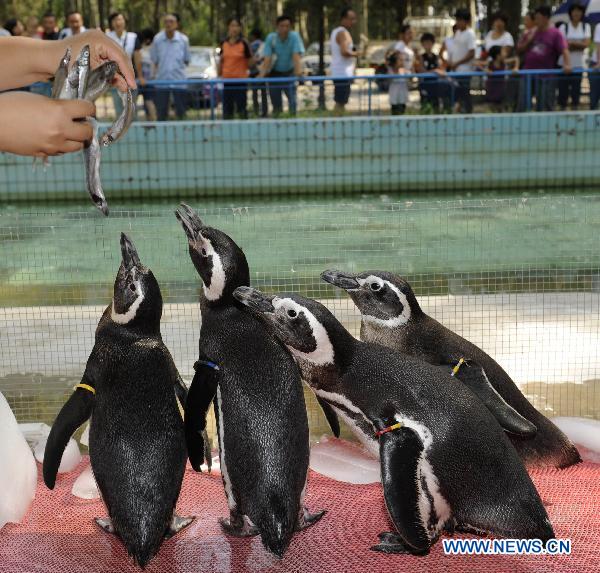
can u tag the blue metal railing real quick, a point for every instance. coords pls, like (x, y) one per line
(528, 80)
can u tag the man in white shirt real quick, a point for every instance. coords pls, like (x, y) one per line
(461, 56)
(74, 26)
(343, 59)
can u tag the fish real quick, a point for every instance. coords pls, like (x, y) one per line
(119, 128)
(60, 77)
(83, 71)
(99, 80)
(91, 161)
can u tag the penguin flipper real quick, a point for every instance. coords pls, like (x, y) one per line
(475, 378)
(199, 398)
(181, 390)
(332, 418)
(76, 410)
(400, 454)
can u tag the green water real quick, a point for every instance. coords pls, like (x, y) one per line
(469, 242)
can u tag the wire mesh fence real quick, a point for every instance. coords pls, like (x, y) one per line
(345, 155)
(519, 277)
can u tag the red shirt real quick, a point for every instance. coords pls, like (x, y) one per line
(234, 59)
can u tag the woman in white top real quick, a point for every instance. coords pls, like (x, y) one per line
(578, 34)
(131, 46)
(498, 35)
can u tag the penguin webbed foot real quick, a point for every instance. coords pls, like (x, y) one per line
(105, 523)
(306, 519)
(177, 524)
(391, 543)
(238, 525)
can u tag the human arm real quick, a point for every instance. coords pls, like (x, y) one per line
(525, 41)
(39, 126)
(187, 56)
(470, 55)
(24, 61)
(344, 41)
(566, 61)
(297, 64)
(137, 64)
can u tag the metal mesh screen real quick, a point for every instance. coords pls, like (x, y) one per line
(518, 276)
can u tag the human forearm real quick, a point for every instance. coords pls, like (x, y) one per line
(297, 65)
(24, 61)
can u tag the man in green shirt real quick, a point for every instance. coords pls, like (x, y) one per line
(282, 52)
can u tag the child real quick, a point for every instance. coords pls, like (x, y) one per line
(398, 90)
(496, 86)
(432, 90)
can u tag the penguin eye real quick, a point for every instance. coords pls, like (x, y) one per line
(132, 287)
(375, 287)
(292, 313)
(203, 251)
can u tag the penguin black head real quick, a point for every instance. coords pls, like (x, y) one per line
(382, 298)
(221, 264)
(137, 301)
(305, 326)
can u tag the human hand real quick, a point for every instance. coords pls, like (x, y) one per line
(39, 126)
(142, 81)
(567, 69)
(102, 49)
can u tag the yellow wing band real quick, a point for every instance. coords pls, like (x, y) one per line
(86, 387)
(457, 367)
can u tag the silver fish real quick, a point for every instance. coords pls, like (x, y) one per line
(83, 70)
(60, 77)
(100, 80)
(119, 128)
(91, 161)
(69, 89)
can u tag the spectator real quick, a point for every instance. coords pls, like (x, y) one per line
(170, 53)
(495, 86)
(343, 59)
(146, 36)
(74, 26)
(542, 51)
(524, 40)
(432, 90)
(447, 46)
(461, 56)
(403, 45)
(14, 27)
(594, 76)
(235, 63)
(49, 27)
(578, 35)
(498, 35)
(256, 45)
(131, 46)
(398, 87)
(286, 47)
(32, 28)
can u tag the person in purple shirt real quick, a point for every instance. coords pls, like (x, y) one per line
(543, 48)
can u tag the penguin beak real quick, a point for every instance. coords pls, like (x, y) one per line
(254, 299)
(191, 223)
(129, 253)
(340, 280)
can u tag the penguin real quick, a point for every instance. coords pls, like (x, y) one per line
(391, 316)
(258, 400)
(18, 471)
(445, 462)
(130, 388)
